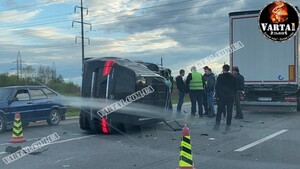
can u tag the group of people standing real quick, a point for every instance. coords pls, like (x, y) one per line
(227, 89)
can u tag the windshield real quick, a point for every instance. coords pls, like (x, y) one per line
(4, 93)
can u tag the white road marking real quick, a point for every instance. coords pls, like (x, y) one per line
(72, 139)
(3, 144)
(260, 141)
(63, 141)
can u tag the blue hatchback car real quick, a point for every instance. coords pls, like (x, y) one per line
(34, 103)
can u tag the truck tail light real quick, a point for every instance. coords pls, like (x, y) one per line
(290, 99)
(104, 125)
(107, 67)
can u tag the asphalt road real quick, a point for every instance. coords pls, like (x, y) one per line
(260, 141)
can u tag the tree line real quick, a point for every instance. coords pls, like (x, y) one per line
(43, 76)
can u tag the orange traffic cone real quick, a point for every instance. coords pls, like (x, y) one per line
(186, 156)
(17, 135)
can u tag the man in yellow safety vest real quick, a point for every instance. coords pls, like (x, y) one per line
(195, 86)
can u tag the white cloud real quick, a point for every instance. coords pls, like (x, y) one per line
(16, 16)
(138, 42)
(47, 33)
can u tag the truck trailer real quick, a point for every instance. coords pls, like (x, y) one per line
(270, 69)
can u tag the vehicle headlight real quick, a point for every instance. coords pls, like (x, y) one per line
(141, 81)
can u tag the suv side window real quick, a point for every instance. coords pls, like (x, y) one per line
(37, 94)
(22, 95)
(49, 93)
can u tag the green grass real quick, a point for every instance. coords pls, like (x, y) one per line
(72, 111)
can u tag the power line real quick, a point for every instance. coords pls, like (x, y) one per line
(66, 20)
(132, 10)
(177, 10)
(31, 5)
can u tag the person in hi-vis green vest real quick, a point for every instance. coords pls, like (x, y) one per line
(195, 86)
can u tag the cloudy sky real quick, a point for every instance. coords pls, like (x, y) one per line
(180, 31)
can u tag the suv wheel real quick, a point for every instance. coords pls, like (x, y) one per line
(2, 124)
(54, 117)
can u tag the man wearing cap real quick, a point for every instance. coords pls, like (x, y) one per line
(225, 92)
(205, 105)
(195, 87)
(240, 89)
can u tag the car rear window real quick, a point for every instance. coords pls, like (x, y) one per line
(37, 94)
(49, 93)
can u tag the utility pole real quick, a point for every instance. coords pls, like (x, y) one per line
(82, 29)
(53, 71)
(19, 65)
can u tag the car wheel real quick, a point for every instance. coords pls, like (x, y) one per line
(54, 117)
(2, 124)
(25, 125)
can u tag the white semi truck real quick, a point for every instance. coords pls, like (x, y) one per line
(270, 69)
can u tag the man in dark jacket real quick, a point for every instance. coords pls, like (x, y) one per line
(225, 91)
(210, 90)
(205, 105)
(195, 86)
(181, 89)
(240, 88)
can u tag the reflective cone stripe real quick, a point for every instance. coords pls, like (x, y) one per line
(186, 157)
(17, 133)
(17, 130)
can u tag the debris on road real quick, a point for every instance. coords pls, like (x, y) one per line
(38, 152)
(211, 139)
(204, 134)
(11, 149)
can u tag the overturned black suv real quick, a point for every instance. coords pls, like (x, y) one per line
(112, 79)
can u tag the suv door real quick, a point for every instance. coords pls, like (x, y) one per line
(41, 103)
(22, 104)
